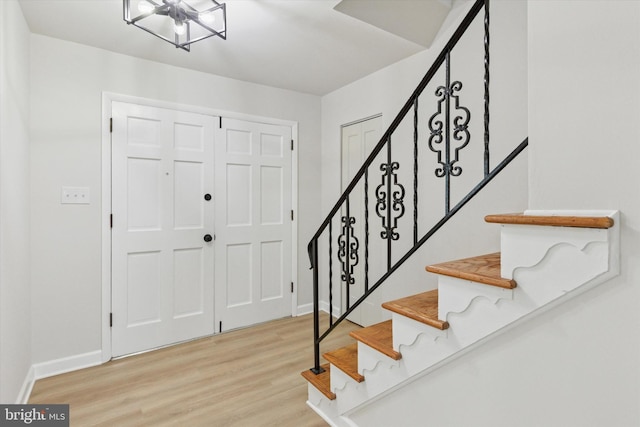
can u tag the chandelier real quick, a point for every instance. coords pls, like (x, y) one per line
(180, 22)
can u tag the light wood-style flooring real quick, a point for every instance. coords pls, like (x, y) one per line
(249, 377)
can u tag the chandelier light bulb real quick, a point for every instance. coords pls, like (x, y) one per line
(144, 6)
(180, 28)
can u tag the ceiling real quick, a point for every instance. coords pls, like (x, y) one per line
(301, 45)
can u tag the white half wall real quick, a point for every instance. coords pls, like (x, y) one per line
(67, 81)
(584, 125)
(15, 293)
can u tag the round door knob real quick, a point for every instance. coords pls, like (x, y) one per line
(207, 197)
(208, 238)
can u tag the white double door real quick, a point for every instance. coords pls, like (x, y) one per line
(201, 233)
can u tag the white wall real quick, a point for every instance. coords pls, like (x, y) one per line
(67, 81)
(387, 90)
(584, 108)
(578, 364)
(15, 296)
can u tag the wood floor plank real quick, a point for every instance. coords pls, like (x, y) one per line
(249, 377)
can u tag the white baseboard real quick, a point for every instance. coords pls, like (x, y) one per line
(323, 306)
(67, 364)
(27, 386)
(305, 309)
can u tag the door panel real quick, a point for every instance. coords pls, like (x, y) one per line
(253, 239)
(162, 270)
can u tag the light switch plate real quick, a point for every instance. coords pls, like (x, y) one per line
(75, 195)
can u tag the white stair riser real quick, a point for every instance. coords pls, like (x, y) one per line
(455, 295)
(406, 331)
(526, 245)
(369, 358)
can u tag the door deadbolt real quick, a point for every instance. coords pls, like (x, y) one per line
(208, 238)
(207, 197)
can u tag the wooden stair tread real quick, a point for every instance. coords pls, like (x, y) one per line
(379, 337)
(552, 220)
(321, 381)
(421, 307)
(482, 269)
(346, 359)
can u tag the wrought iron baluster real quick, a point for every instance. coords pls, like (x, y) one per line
(415, 170)
(348, 246)
(348, 271)
(390, 202)
(447, 135)
(330, 274)
(390, 232)
(460, 132)
(366, 230)
(486, 88)
(316, 309)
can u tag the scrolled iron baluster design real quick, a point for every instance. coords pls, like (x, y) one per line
(460, 130)
(436, 127)
(366, 230)
(348, 246)
(441, 130)
(460, 127)
(390, 200)
(381, 197)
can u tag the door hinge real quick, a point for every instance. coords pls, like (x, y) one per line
(291, 287)
(111, 320)
(111, 220)
(292, 145)
(291, 214)
(111, 125)
(220, 327)
(220, 122)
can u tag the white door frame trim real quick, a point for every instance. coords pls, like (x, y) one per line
(107, 99)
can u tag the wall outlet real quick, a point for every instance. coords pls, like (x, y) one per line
(75, 195)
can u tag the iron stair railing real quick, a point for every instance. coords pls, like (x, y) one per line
(448, 135)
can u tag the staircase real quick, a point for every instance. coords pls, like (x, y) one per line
(545, 259)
